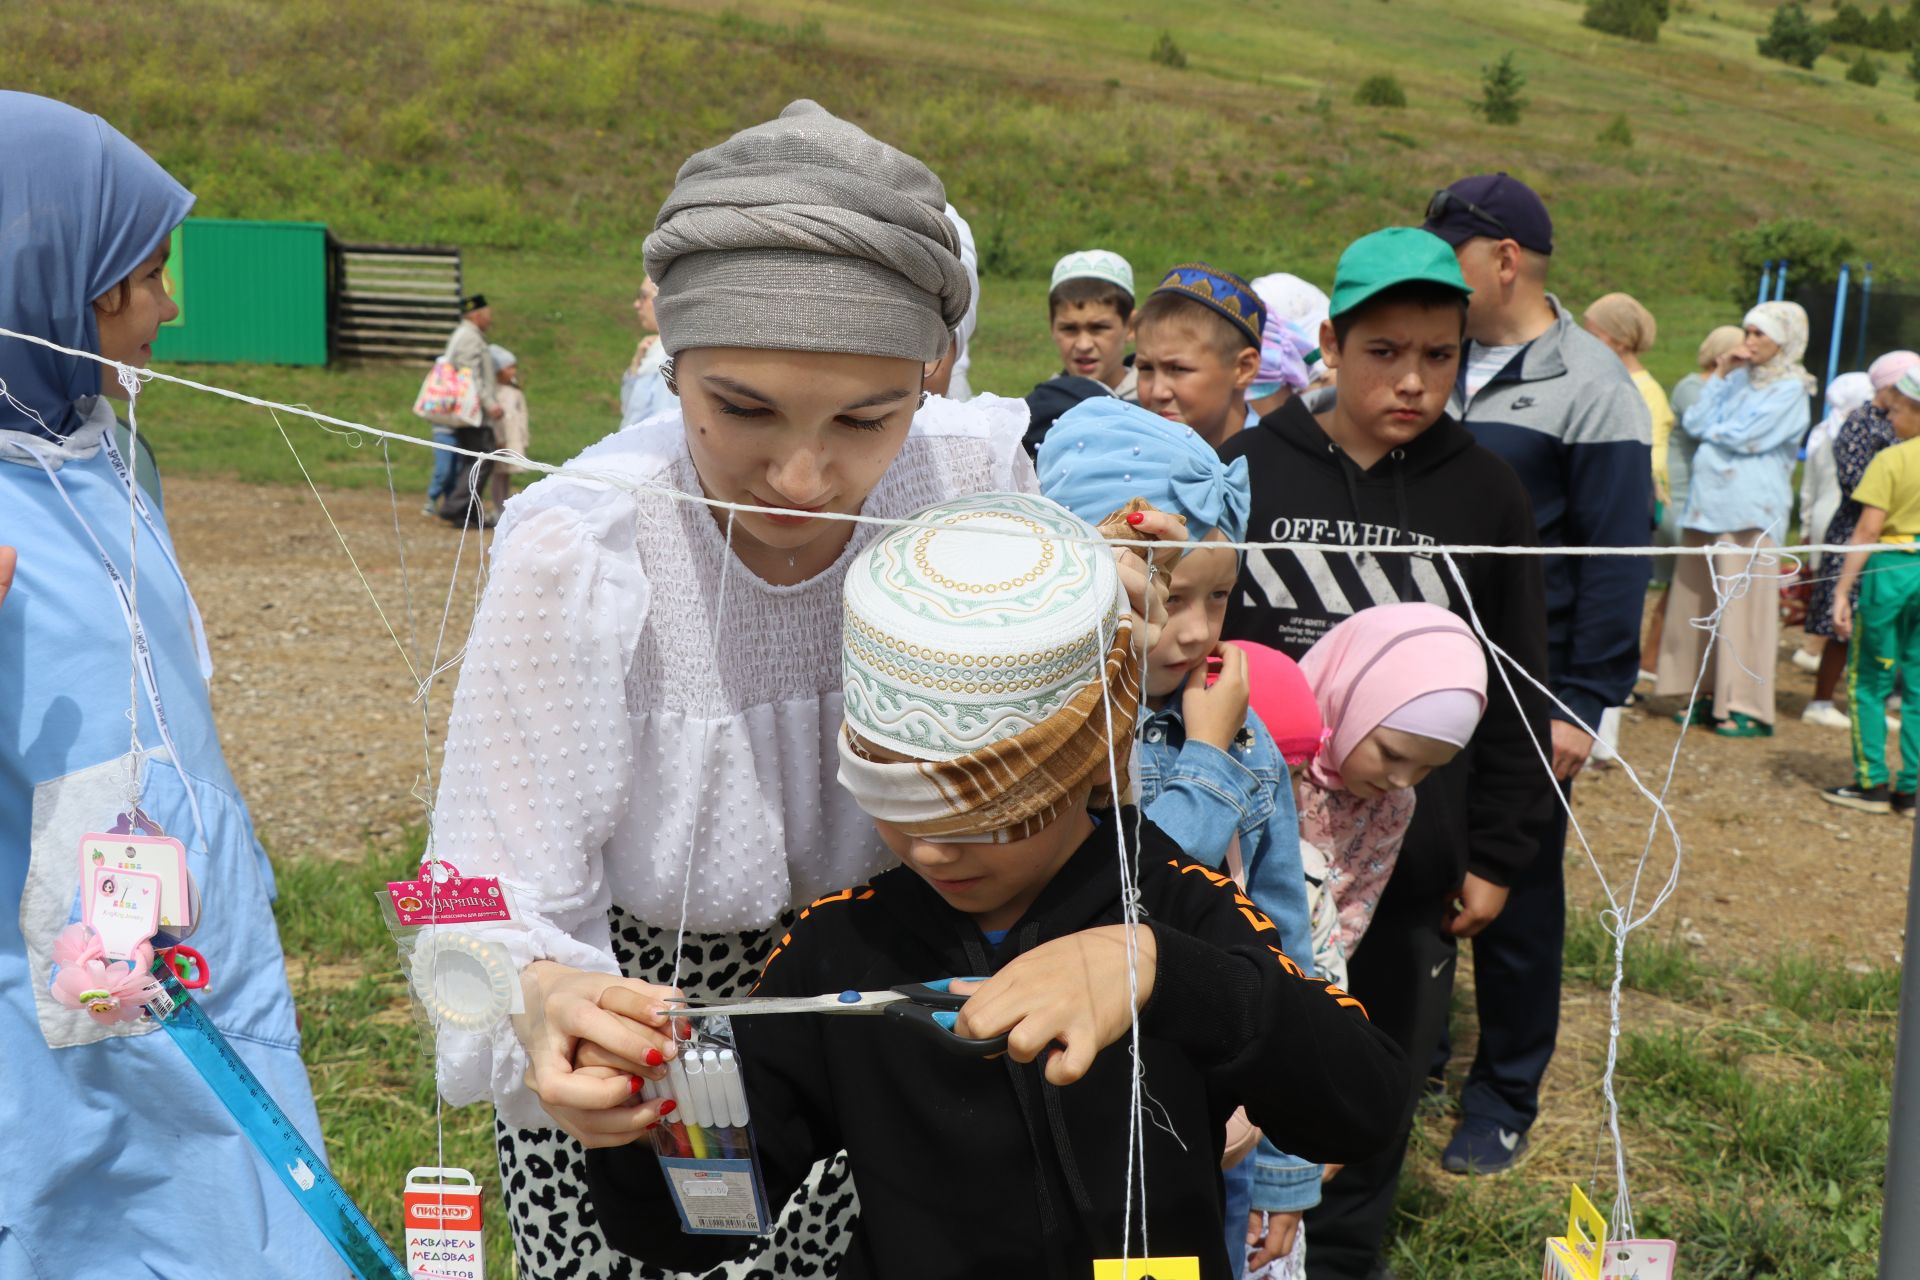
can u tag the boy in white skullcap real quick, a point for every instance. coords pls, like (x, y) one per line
(990, 669)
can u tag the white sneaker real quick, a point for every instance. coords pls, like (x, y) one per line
(1826, 714)
(1807, 662)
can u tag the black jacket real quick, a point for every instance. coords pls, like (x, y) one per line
(1482, 812)
(979, 1168)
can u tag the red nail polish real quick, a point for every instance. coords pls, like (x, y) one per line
(1136, 517)
(655, 1057)
(634, 1085)
(668, 1106)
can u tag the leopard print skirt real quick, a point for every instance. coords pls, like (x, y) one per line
(556, 1235)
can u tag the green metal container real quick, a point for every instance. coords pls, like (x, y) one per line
(248, 292)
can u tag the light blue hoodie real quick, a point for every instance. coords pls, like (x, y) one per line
(118, 1160)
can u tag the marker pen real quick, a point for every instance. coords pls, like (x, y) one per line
(675, 1087)
(715, 1105)
(736, 1086)
(697, 1121)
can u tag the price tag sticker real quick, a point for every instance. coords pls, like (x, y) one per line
(124, 909)
(162, 857)
(718, 1197)
(1146, 1269)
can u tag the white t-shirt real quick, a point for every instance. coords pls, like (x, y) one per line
(609, 724)
(1484, 362)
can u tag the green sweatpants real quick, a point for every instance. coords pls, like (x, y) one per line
(1886, 647)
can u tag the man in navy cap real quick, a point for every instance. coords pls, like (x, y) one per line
(1548, 397)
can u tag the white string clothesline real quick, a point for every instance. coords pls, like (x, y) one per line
(719, 504)
(1618, 920)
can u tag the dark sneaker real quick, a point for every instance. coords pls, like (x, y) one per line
(1481, 1147)
(1902, 802)
(1742, 725)
(1865, 799)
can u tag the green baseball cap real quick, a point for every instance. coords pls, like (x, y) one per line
(1393, 256)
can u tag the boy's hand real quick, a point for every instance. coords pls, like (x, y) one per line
(1478, 905)
(1270, 1236)
(1069, 995)
(1843, 614)
(1571, 747)
(8, 557)
(1215, 716)
(563, 1011)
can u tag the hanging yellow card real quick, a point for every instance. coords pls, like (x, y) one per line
(1146, 1269)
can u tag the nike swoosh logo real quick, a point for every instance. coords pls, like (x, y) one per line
(1437, 968)
(1509, 1139)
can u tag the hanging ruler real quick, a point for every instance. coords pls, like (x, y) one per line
(299, 1168)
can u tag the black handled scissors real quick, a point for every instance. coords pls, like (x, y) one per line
(928, 1006)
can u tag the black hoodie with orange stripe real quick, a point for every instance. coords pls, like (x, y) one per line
(968, 1167)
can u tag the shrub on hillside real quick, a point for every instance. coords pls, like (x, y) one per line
(1864, 70)
(1851, 25)
(1618, 133)
(1813, 250)
(1380, 91)
(1500, 84)
(1913, 62)
(1167, 53)
(1634, 19)
(1792, 37)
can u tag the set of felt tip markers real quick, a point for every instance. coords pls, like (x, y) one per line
(705, 1143)
(710, 1106)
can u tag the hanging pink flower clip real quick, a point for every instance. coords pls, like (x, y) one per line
(109, 990)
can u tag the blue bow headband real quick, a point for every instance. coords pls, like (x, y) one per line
(1103, 453)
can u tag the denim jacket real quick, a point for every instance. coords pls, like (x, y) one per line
(1202, 796)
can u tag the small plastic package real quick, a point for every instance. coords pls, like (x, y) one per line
(706, 1146)
(461, 979)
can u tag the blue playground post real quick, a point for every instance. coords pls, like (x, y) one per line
(1839, 322)
(1780, 283)
(1866, 292)
(1766, 281)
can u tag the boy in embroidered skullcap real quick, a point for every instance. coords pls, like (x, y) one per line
(1197, 350)
(1210, 774)
(982, 673)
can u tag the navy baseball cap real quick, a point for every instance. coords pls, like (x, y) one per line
(1491, 204)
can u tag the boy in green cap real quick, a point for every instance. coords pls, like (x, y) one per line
(1383, 466)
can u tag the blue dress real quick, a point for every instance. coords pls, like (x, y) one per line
(118, 1160)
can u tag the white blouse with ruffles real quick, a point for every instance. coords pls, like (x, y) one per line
(612, 722)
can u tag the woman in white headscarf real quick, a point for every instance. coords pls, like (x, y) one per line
(1749, 420)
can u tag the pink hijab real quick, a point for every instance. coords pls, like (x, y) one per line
(1380, 660)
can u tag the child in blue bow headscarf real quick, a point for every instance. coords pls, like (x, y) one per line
(118, 1160)
(1210, 774)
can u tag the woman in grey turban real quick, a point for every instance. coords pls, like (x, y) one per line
(643, 740)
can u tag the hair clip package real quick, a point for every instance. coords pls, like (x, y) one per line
(706, 1144)
(460, 979)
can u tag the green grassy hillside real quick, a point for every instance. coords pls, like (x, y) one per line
(541, 136)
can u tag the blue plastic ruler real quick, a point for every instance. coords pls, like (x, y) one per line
(274, 1136)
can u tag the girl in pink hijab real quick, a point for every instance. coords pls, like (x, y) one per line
(1401, 688)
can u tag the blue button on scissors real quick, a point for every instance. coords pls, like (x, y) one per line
(927, 1006)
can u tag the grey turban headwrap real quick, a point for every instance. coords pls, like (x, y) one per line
(806, 234)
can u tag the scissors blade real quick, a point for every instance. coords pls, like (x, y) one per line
(843, 1002)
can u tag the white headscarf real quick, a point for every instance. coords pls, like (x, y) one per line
(1844, 394)
(1786, 324)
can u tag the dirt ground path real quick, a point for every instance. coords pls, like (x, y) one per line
(314, 705)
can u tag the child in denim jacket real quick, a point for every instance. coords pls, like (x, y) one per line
(1210, 775)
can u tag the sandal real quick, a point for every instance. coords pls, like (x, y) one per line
(1742, 725)
(1700, 713)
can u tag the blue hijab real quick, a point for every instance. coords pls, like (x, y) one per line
(80, 208)
(1103, 453)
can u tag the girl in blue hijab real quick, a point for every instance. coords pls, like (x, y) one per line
(118, 1160)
